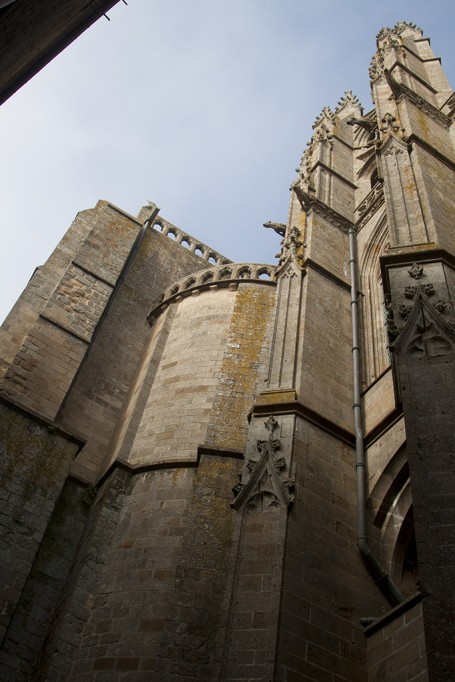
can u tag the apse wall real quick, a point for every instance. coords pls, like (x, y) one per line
(199, 375)
(161, 595)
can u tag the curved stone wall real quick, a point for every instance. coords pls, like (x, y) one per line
(221, 276)
(200, 373)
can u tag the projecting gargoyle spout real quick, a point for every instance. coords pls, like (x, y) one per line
(280, 228)
(362, 123)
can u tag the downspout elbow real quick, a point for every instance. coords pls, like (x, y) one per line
(381, 578)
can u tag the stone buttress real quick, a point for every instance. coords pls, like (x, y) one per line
(416, 155)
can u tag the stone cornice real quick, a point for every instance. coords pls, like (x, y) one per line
(401, 91)
(65, 329)
(301, 410)
(385, 425)
(450, 103)
(309, 263)
(415, 253)
(423, 105)
(29, 413)
(431, 150)
(134, 468)
(133, 218)
(309, 202)
(411, 73)
(321, 164)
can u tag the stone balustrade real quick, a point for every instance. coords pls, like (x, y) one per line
(194, 245)
(226, 275)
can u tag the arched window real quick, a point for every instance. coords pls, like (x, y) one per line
(375, 355)
(374, 178)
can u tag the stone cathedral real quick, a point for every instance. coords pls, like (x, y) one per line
(217, 471)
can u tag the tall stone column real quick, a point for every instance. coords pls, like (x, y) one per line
(416, 158)
(422, 301)
(296, 600)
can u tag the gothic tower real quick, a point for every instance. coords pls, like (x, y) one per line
(244, 472)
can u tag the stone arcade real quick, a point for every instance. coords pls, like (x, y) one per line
(187, 492)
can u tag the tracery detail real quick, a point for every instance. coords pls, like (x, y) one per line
(424, 315)
(265, 484)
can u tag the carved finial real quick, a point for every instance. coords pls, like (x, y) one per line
(271, 424)
(323, 133)
(402, 26)
(349, 100)
(389, 122)
(376, 66)
(388, 34)
(326, 115)
(416, 271)
(292, 246)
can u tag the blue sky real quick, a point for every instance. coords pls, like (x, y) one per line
(203, 107)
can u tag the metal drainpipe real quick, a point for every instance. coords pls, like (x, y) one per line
(382, 579)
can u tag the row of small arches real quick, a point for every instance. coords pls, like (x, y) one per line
(242, 271)
(191, 244)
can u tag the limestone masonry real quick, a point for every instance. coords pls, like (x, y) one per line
(245, 472)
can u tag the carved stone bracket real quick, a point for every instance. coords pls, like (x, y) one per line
(291, 247)
(376, 68)
(265, 483)
(402, 91)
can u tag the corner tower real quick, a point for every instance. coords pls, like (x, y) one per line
(415, 153)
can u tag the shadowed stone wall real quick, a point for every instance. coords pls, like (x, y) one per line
(33, 35)
(35, 459)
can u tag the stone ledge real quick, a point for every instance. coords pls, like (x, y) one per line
(391, 615)
(301, 410)
(51, 426)
(276, 397)
(138, 468)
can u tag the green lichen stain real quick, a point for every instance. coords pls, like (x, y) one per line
(236, 388)
(204, 564)
(422, 121)
(34, 459)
